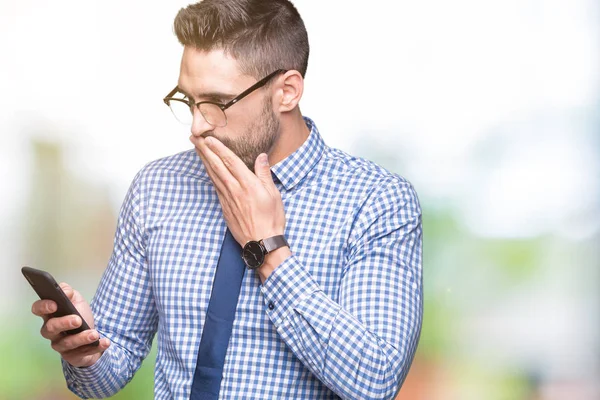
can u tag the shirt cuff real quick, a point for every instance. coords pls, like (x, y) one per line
(286, 288)
(83, 377)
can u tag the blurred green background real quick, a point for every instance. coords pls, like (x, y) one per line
(491, 109)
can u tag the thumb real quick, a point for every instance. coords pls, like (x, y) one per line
(69, 291)
(262, 169)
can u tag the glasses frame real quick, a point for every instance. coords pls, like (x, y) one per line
(190, 103)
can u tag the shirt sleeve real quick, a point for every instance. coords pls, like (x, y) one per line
(362, 345)
(123, 309)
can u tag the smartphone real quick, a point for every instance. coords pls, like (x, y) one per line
(46, 287)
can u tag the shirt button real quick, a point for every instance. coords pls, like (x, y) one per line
(271, 305)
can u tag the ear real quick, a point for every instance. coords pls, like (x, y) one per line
(290, 91)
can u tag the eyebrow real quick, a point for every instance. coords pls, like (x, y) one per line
(209, 95)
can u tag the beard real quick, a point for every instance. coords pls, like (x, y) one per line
(259, 137)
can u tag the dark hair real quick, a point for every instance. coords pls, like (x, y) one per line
(262, 35)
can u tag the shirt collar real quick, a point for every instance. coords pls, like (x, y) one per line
(292, 169)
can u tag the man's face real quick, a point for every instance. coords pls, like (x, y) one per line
(252, 126)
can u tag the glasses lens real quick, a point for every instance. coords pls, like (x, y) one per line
(181, 111)
(213, 114)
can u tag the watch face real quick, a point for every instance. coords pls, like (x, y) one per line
(253, 255)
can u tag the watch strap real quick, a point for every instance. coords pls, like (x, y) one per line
(274, 242)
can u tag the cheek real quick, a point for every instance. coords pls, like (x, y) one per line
(243, 114)
(237, 126)
(229, 135)
(226, 133)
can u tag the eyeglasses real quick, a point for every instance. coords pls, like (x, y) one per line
(213, 112)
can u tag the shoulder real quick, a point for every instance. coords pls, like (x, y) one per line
(165, 179)
(185, 163)
(178, 169)
(169, 175)
(365, 175)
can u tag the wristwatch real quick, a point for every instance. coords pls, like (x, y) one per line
(255, 251)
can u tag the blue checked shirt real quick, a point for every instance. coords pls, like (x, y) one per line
(340, 318)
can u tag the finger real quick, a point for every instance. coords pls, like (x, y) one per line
(217, 182)
(222, 192)
(262, 169)
(230, 160)
(74, 357)
(54, 327)
(71, 342)
(43, 308)
(222, 172)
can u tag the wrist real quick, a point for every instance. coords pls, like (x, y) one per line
(273, 260)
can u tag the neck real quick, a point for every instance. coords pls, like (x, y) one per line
(293, 133)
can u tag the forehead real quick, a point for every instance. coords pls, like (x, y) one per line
(209, 71)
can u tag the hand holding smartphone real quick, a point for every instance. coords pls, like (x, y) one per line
(63, 312)
(46, 287)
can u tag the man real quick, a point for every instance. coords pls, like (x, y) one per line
(328, 300)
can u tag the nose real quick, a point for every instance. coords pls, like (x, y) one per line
(199, 124)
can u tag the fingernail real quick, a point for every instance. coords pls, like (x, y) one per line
(93, 336)
(264, 159)
(75, 322)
